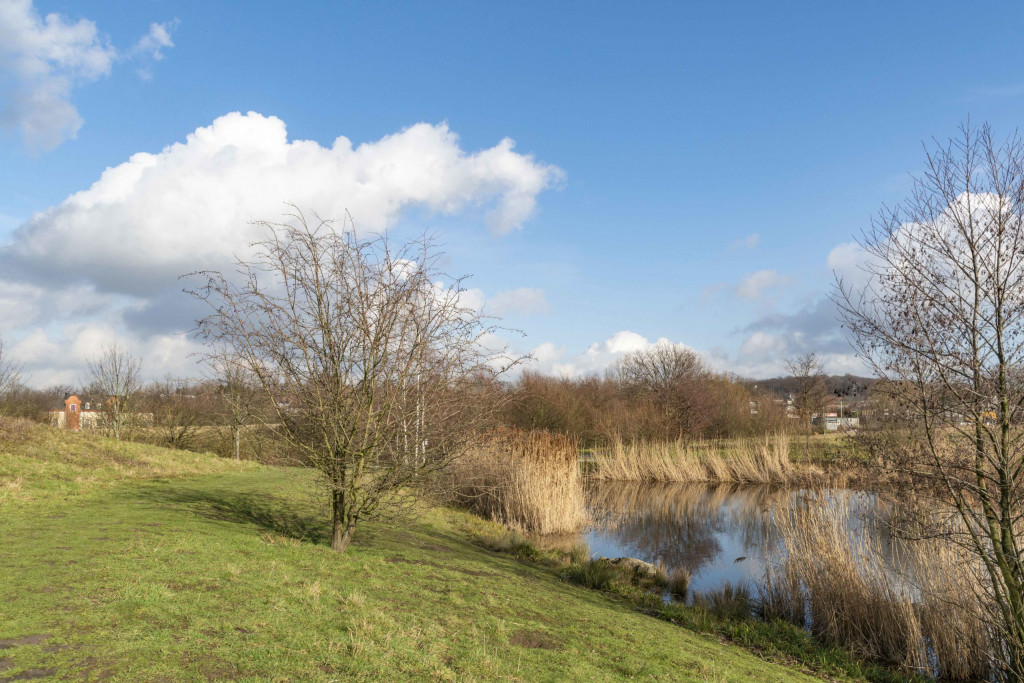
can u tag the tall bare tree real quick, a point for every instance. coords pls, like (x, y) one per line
(674, 379)
(372, 370)
(940, 313)
(115, 380)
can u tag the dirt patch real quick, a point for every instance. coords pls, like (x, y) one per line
(434, 548)
(37, 639)
(534, 639)
(5, 664)
(47, 589)
(427, 563)
(30, 675)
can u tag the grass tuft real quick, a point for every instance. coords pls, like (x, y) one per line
(679, 584)
(731, 602)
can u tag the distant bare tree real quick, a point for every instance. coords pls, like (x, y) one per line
(674, 380)
(370, 369)
(177, 407)
(811, 392)
(940, 316)
(10, 376)
(115, 379)
(242, 399)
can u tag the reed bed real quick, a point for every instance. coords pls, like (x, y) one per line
(748, 461)
(528, 481)
(917, 613)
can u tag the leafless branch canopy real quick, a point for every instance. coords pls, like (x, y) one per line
(939, 312)
(10, 374)
(115, 379)
(375, 371)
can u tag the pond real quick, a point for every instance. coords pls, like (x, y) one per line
(717, 533)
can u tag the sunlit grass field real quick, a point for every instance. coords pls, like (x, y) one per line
(130, 562)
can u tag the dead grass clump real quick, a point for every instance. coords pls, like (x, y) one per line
(749, 461)
(15, 428)
(732, 601)
(679, 584)
(530, 481)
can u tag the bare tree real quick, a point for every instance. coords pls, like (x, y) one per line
(940, 314)
(177, 407)
(372, 370)
(242, 400)
(10, 376)
(674, 380)
(811, 390)
(115, 380)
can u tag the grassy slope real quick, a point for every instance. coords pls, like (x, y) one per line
(225, 575)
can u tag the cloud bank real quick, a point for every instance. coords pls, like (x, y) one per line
(189, 207)
(107, 259)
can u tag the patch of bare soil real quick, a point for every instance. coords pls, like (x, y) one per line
(30, 675)
(533, 639)
(24, 640)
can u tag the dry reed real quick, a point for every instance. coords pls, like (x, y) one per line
(830, 578)
(761, 461)
(526, 481)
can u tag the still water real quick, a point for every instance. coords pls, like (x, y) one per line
(717, 533)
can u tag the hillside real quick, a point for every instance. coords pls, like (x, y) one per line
(128, 562)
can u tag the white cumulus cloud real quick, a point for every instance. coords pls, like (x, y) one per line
(550, 359)
(108, 258)
(189, 206)
(45, 58)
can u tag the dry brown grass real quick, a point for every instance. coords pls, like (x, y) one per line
(761, 461)
(916, 614)
(529, 481)
(39, 462)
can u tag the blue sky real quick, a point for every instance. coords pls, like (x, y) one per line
(680, 171)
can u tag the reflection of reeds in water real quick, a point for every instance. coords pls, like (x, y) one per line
(829, 576)
(761, 461)
(678, 523)
(526, 481)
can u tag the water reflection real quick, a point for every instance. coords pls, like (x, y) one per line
(717, 533)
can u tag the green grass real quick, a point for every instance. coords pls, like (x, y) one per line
(128, 562)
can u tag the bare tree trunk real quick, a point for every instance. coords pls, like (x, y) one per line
(343, 524)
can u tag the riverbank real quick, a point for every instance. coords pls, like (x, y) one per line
(131, 562)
